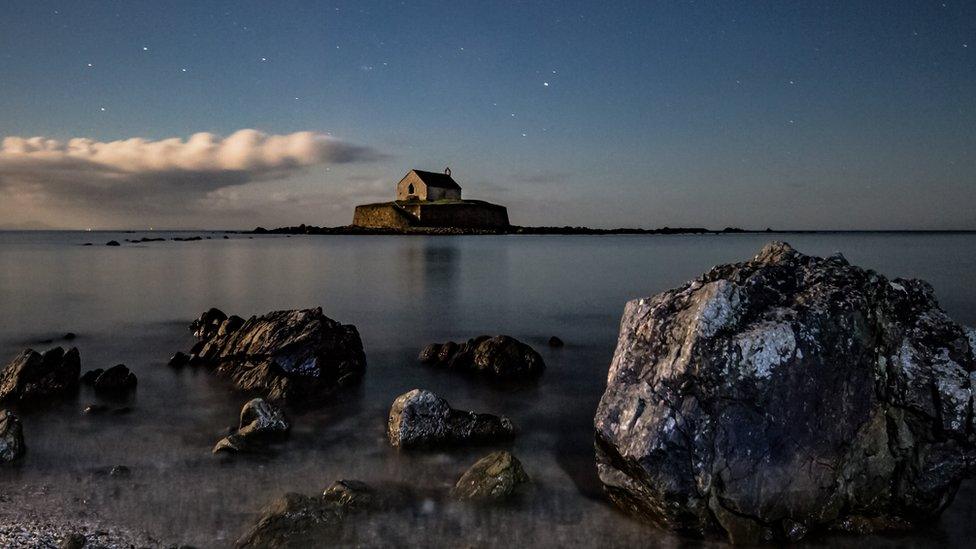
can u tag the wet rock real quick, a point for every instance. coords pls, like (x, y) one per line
(116, 380)
(179, 360)
(112, 243)
(785, 395)
(556, 342)
(297, 356)
(205, 327)
(350, 494)
(502, 357)
(420, 418)
(33, 377)
(260, 422)
(295, 520)
(11, 437)
(493, 477)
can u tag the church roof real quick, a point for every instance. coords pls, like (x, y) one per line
(440, 180)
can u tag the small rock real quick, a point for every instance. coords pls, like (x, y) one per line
(493, 477)
(69, 336)
(350, 493)
(11, 437)
(502, 357)
(260, 421)
(555, 342)
(421, 418)
(179, 360)
(209, 322)
(119, 471)
(112, 243)
(117, 379)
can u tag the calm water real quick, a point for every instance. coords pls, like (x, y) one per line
(132, 304)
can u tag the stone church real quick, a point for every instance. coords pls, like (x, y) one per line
(426, 200)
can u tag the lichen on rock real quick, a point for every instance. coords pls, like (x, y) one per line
(784, 395)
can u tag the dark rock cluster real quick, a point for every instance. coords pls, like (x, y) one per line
(296, 356)
(116, 380)
(36, 377)
(501, 357)
(785, 395)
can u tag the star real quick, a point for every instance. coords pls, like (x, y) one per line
(546, 84)
(264, 59)
(145, 48)
(101, 109)
(183, 69)
(90, 65)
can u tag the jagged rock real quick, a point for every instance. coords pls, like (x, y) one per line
(555, 342)
(296, 520)
(297, 356)
(421, 418)
(502, 357)
(493, 477)
(39, 377)
(116, 380)
(208, 324)
(11, 437)
(260, 421)
(785, 395)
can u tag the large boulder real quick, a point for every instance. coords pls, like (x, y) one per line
(784, 395)
(420, 418)
(492, 478)
(260, 422)
(297, 356)
(11, 437)
(36, 377)
(501, 357)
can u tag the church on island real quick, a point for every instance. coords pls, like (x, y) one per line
(430, 200)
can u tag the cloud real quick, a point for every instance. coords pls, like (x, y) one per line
(142, 177)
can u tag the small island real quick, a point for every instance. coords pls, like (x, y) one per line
(431, 200)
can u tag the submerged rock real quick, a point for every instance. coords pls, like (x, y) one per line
(260, 422)
(297, 520)
(179, 360)
(297, 356)
(11, 437)
(493, 477)
(112, 243)
(502, 357)
(33, 377)
(556, 342)
(420, 418)
(116, 380)
(784, 395)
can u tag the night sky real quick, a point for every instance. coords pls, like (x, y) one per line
(846, 115)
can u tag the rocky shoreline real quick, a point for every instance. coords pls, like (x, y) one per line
(771, 400)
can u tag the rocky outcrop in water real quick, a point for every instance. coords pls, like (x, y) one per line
(297, 356)
(11, 437)
(502, 357)
(260, 422)
(420, 418)
(492, 478)
(36, 377)
(116, 380)
(784, 395)
(297, 520)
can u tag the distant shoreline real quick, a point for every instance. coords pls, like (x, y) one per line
(568, 230)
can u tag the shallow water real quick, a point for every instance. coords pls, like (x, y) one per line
(132, 304)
